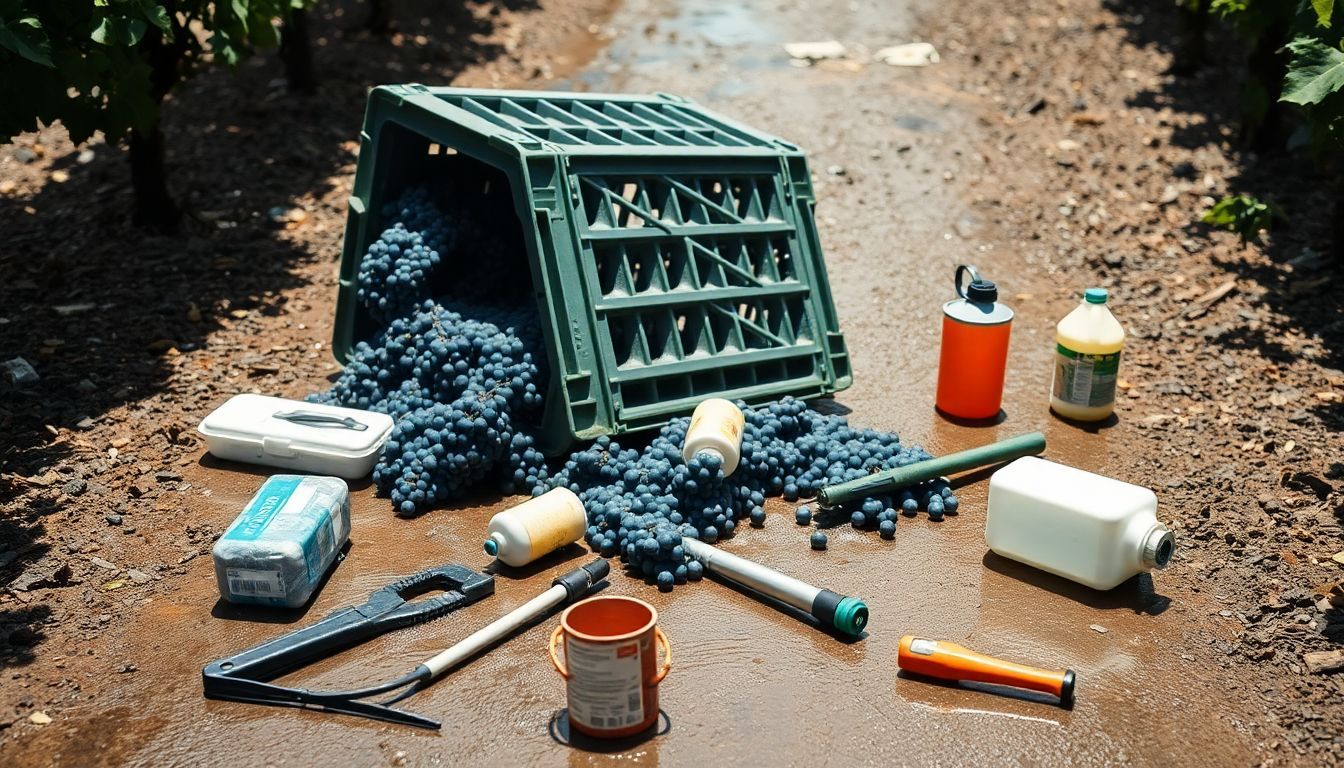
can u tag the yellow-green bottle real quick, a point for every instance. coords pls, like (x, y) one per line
(1087, 360)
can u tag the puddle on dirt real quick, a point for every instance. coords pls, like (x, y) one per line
(695, 32)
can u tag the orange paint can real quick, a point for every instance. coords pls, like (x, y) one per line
(611, 665)
(974, 351)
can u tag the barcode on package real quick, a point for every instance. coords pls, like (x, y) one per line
(245, 582)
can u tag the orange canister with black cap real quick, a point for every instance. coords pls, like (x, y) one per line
(974, 351)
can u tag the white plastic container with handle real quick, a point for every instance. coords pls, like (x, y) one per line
(295, 435)
(1091, 529)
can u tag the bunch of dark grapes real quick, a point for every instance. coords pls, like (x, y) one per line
(464, 385)
(465, 394)
(394, 274)
(642, 504)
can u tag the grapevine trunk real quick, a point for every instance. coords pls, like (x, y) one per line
(296, 51)
(154, 207)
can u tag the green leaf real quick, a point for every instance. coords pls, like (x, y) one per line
(116, 30)
(26, 38)
(1242, 214)
(129, 103)
(158, 15)
(240, 10)
(1315, 72)
(1324, 10)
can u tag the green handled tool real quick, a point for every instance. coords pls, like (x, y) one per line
(888, 480)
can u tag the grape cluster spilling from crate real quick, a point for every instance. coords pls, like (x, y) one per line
(464, 381)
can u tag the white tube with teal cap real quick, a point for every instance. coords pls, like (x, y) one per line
(522, 534)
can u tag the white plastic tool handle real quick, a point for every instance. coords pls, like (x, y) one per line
(502, 627)
(761, 578)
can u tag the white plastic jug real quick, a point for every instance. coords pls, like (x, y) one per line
(1087, 528)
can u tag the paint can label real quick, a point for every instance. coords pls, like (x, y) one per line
(606, 689)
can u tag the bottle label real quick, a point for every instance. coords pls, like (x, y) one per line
(551, 522)
(731, 421)
(1085, 380)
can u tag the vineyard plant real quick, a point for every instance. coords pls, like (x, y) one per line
(106, 66)
(1293, 97)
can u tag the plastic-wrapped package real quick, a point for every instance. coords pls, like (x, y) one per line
(277, 550)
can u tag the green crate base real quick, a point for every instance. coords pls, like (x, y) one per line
(672, 253)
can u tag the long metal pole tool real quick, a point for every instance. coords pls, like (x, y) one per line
(571, 586)
(847, 614)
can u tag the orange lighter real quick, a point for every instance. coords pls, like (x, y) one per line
(949, 661)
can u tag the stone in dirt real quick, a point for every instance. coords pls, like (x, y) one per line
(39, 718)
(43, 573)
(1323, 662)
(19, 372)
(828, 49)
(908, 55)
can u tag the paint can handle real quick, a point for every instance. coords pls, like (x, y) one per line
(667, 655)
(969, 269)
(555, 660)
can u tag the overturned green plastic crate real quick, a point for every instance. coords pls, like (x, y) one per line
(673, 253)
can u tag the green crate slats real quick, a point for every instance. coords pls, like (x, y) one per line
(674, 254)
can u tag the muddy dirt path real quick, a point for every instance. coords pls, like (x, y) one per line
(900, 160)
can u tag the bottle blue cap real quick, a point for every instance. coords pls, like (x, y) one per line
(491, 548)
(1095, 295)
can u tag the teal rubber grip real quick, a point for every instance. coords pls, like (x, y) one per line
(847, 614)
(886, 481)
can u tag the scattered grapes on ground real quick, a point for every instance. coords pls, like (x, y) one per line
(465, 381)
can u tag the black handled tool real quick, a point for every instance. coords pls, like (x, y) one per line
(243, 676)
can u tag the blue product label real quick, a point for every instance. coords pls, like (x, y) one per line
(263, 508)
(317, 545)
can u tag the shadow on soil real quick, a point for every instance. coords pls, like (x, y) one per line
(1005, 691)
(1137, 594)
(562, 732)
(101, 308)
(1298, 284)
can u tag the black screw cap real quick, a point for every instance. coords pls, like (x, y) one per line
(982, 291)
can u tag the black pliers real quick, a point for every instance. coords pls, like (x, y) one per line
(243, 676)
